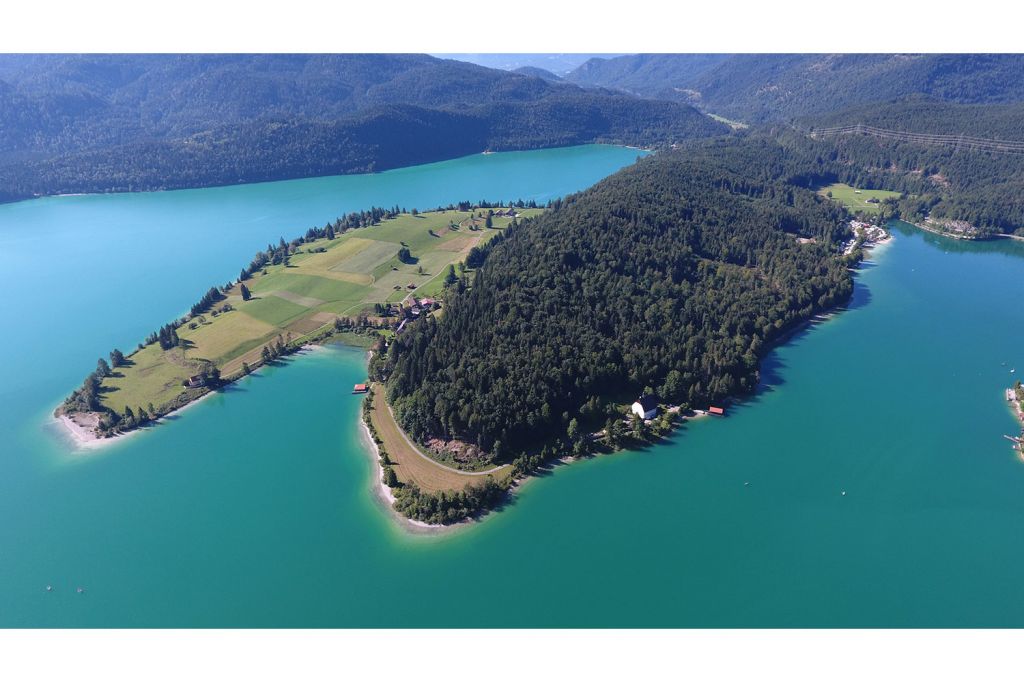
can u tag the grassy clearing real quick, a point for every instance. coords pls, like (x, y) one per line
(217, 340)
(735, 125)
(154, 376)
(409, 464)
(324, 279)
(857, 199)
(273, 310)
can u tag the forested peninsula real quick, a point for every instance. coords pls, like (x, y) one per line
(671, 278)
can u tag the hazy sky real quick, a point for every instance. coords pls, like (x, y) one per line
(556, 63)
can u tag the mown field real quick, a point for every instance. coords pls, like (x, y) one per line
(409, 463)
(352, 273)
(857, 199)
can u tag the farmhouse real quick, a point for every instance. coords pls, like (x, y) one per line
(646, 407)
(195, 381)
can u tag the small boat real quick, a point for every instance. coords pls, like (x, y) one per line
(844, 493)
(80, 590)
(49, 588)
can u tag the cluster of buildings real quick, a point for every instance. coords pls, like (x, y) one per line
(646, 407)
(416, 307)
(867, 233)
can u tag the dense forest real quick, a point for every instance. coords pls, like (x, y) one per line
(93, 123)
(672, 276)
(940, 179)
(927, 115)
(759, 88)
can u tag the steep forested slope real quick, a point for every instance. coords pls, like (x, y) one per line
(757, 88)
(673, 275)
(650, 75)
(928, 115)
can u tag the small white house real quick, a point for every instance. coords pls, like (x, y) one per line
(646, 407)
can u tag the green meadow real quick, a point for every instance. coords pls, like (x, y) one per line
(857, 199)
(325, 280)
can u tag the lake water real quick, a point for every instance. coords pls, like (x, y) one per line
(255, 507)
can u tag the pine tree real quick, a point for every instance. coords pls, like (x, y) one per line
(246, 295)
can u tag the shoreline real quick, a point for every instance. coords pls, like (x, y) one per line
(214, 184)
(1018, 412)
(383, 494)
(84, 438)
(88, 440)
(989, 238)
(953, 236)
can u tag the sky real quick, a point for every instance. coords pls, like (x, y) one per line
(559, 64)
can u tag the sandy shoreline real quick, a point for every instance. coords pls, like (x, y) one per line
(85, 438)
(387, 498)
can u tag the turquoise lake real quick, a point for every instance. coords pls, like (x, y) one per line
(255, 506)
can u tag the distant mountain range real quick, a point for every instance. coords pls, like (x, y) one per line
(557, 63)
(95, 123)
(667, 76)
(760, 88)
(73, 123)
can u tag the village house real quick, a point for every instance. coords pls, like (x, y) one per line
(720, 411)
(360, 388)
(646, 407)
(195, 381)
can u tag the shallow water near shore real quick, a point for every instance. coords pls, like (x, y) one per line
(256, 507)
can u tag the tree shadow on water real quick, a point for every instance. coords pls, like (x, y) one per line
(861, 296)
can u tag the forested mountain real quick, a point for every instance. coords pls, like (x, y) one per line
(928, 115)
(649, 75)
(673, 275)
(757, 88)
(71, 123)
(939, 181)
(539, 73)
